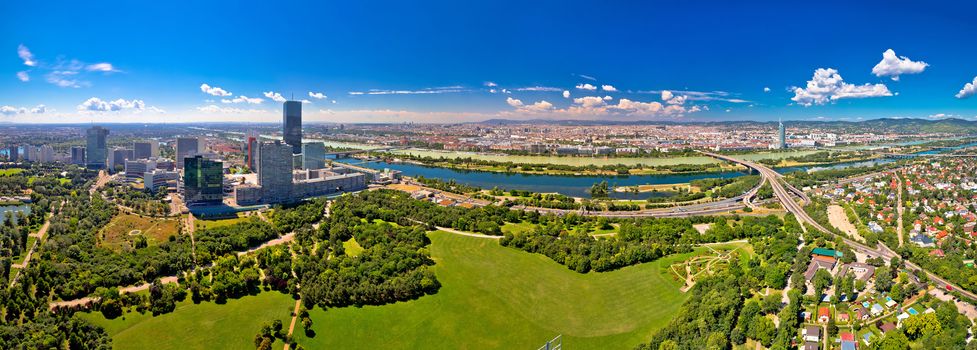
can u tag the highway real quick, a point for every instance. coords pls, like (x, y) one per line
(783, 194)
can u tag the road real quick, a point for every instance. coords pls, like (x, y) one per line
(784, 195)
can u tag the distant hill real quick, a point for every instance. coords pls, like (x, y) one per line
(898, 125)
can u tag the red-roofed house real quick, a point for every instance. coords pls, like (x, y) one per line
(824, 315)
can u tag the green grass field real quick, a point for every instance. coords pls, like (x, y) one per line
(198, 326)
(352, 248)
(205, 224)
(10, 171)
(495, 297)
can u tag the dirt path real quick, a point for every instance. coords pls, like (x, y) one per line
(291, 326)
(838, 219)
(129, 289)
(27, 259)
(288, 237)
(469, 234)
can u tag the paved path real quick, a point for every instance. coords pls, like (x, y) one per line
(288, 237)
(291, 326)
(27, 259)
(469, 234)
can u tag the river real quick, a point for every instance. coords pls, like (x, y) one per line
(577, 186)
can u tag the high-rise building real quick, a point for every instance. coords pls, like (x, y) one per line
(31, 154)
(313, 155)
(145, 149)
(45, 154)
(781, 135)
(188, 147)
(203, 180)
(97, 151)
(78, 155)
(119, 157)
(12, 153)
(250, 151)
(292, 125)
(275, 172)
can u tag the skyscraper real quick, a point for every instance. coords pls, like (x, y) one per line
(187, 147)
(78, 155)
(97, 151)
(292, 125)
(145, 149)
(781, 135)
(313, 155)
(250, 151)
(275, 172)
(12, 153)
(203, 181)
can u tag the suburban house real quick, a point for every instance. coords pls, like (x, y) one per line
(861, 271)
(812, 334)
(824, 315)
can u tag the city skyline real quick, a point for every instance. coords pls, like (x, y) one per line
(444, 63)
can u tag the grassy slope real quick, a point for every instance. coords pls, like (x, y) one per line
(496, 297)
(203, 326)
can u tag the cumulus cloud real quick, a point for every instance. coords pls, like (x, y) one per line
(514, 102)
(827, 86)
(766, 89)
(608, 98)
(589, 101)
(566, 93)
(22, 76)
(96, 104)
(893, 66)
(39, 109)
(317, 95)
(968, 89)
(26, 55)
(666, 95)
(101, 67)
(274, 96)
(215, 91)
(677, 100)
(243, 99)
(587, 87)
(425, 91)
(608, 88)
(491, 84)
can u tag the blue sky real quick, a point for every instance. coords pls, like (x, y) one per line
(461, 61)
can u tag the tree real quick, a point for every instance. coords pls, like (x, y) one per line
(894, 340)
(821, 281)
(919, 325)
(668, 345)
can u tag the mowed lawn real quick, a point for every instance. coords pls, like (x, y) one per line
(198, 326)
(494, 297)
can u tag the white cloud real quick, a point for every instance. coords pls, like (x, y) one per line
(215, 91)
(766, 89)
(677, 100)
(39, 109)
(968, 90)
(586, 87)
(11, 110)
(101, 67)
(666, 95)
(492, 91)
(491, 84)
(317, 95)
(589, 101)
(539, 88)
(96, 104)
(513, 102)
(426, 91)
(26, 55)
(226, 110)
(894, 66)
(827, 85)
(243, 99)
(608, 98)
(274, 96)
(566, 93)
(608, 88)
(65, 79)
(23, 76)
(587, 77)
(306, 101)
